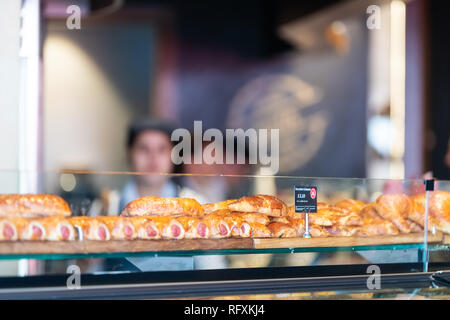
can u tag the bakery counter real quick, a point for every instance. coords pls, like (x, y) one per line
(237, 283)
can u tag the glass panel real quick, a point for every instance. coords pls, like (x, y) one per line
(105, 193)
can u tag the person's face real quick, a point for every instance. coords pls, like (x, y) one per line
(151, 153)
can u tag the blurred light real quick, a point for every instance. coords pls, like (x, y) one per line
(397, 64)
(67, 181)
(380, 134)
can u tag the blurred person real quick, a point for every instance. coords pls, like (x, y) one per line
(149, 150)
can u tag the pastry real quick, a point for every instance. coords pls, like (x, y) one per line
(194, 227)
(57, 229)
(93, 228)
(282, 230)
(395, 208)
(157, 206)
(33, 206)
(439, 210)
(120, 228)
(264, 204)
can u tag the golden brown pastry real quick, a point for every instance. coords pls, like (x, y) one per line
(93, 228)
(144, 228)
(317, 218)
(341, 230)
(253, 217)
(194, 227)
(8, 230)
(33, 206)
(259, 230)
(351, 205)
(57, 229)
(439, 210)
(270, 205)
(168, 227)
(395, 208)
(29, 229)
(211, 207)
(316, 231)
(217, 226)
(282, 230)
(120, 228)
(157, 206)
(377, 227)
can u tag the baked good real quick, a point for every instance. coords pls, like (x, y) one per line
(265, 204)
(282, 230)
(168, 227)
(120, 228)
(33, 205)
(395, 208)
(259, 230)
(315, 230)
(57, 229)
(194, 227)
(211, 207)
(8, 230)
(158, 206)
(93, 228)
(351, 205)
(317, 218)
(217, 226)
(439, 210)
(29, 229)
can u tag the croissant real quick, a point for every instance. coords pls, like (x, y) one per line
(315, 230)
(264, 204)
(157, 206)
(259, 230)
(395, 208)
(93, 228)
(439, 210)
(33, 206)
(351, 205)
(282, 230)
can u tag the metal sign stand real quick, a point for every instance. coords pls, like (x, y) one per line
(429, 186)
(306, 234)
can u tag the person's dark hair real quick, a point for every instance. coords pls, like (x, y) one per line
(139, 126)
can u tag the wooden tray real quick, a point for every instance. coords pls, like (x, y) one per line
(344, 241)
(446, 239)
(89, 246)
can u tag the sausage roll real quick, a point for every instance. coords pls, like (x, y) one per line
(264, 204)
(30, 229)
(157, 206)
(8, 230)
(217, 226)
(33, 206)
(120, 228)
(194, 228)
(145, 228)
(168, 227)
(57, 229)
(93, 228)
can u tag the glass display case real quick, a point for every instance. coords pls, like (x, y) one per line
(345, 261)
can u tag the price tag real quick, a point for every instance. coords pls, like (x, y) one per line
(305, 199)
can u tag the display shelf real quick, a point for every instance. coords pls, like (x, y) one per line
(189, 247)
